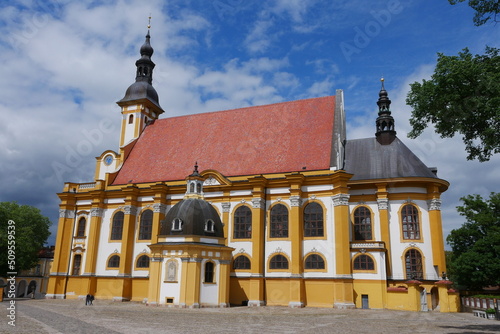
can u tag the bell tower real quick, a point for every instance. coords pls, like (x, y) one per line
(140, 105)
(385, 122)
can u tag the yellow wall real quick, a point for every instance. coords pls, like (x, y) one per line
(319, 293)
(239, 290)
(277, 291)
(376, 291)
(108, 287)
(397, 300)
(140, 288)
(77, 286)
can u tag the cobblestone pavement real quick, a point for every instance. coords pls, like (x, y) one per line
(73, 317)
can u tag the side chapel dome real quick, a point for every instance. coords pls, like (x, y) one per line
(192, 216)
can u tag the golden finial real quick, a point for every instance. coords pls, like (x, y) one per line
(382, 79)
(149, 22)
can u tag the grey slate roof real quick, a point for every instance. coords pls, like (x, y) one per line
(368, 160)
(194, 213)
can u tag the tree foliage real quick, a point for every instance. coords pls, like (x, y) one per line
(475, 259)
(462, 97)
(486, 10)
(30, 233)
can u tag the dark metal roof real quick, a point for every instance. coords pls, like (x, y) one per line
(194, 213)
(368, 160)
(141, 90)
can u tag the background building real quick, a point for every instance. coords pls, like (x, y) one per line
(285, 211)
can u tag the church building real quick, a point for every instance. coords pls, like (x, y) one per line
(262, 205)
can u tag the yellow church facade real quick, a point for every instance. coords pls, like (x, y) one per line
(281, 209)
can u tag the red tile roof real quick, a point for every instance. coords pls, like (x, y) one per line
(282, 137)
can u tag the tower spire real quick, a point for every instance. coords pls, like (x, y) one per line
(145, 65)
(140, 105)
(385, 122)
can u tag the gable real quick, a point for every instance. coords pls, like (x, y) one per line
(276, 138)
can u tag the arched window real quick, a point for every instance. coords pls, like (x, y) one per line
(80, 231)
(315, 261)
(77, 263)
(279, 221)
(117, 226)
(413, 264)
(131, 119)
(278, 262)
(177, 224)
(146, 225)
(362, 224)
(209, 272)
(242, 223)
(409, 222)
(143, 261)
(209, 226)
(114, 262)
(313, 220)
(363, 262)
(241, 262)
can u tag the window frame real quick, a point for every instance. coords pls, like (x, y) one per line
(277, 261)
(177, 224)
(308, 229)
(245, 259)
(359, 221)
(113, 235)
(146, 225)
(115, 265)
(139, 264)
(77, 265)
(209, 226)
(242, 229)
(411, 267)
(369, 261)
(274, 215)
(410, 230)
(314, 260)
(81, 228)
(209, 275)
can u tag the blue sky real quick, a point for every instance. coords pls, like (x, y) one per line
(66, 63)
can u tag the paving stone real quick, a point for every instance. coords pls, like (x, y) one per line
(72, 316)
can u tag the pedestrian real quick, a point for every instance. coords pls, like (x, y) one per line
(88, 299)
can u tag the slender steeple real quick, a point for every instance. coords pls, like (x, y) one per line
(385, 122)
(145, 65)
(142, 87)
(140, 105)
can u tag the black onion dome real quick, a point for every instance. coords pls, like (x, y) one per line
(146, 48)
(194, 214)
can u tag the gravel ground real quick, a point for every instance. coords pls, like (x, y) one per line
(73, 317)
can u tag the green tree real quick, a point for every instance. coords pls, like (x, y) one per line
(486, 10)
(29, 232)
(475, 262)
(462, 97)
